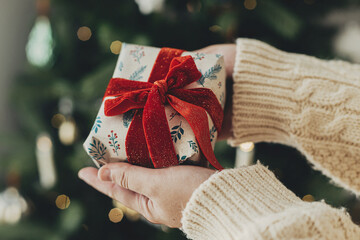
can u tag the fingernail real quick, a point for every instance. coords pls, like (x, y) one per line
(105, 174)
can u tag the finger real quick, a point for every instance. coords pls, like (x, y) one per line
(129, 198)
(89, 175)
(138, 179)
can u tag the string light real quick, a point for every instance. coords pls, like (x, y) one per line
(62, 201)
(346, 41)
(44, 143)
(250, 4)
(12, 206)
(247, 146)
(67, 132)
(244, 154)
(67, 126)
(116, 215)
(84, 33)
(45, 161)
(115, 47)
(150, 6)
(39, 48)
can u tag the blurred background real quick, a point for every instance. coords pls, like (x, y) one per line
(56, 58)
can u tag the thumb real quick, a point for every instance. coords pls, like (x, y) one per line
(137, 179)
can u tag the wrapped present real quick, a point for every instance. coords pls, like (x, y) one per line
(161, 108)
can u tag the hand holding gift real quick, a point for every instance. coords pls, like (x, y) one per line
(162, 117)
(155, 193)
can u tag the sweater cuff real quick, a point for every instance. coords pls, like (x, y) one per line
(264, 82)
(231, 199)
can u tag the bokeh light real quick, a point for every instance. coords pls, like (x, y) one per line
(247, 146)
(308, 198)
(250, 4)
(57, 120)
(115, 47)
(62, 201)
(116, 215)
(84, 33)
(39, 49)
(67, 132)
(45, 160)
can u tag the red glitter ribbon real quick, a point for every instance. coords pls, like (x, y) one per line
(149, 130)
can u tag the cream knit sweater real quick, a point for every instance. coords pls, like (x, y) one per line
(310, 104)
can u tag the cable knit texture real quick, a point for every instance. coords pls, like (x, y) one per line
(297, 100)
(310, 104)
(250, 203)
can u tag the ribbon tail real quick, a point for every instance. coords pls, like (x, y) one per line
(135, 143)
(157, 133)
(204, 98)
(198, 121)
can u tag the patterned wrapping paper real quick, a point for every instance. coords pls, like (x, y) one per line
(106, 141)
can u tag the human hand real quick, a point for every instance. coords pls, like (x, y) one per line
(160, 195)
(229, 52)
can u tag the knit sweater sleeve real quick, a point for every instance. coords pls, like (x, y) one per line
(301, 101)
(250, 203)
(297, 100)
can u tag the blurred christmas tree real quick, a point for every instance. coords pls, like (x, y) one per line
(72, 54)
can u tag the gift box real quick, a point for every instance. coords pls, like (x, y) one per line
(163, 107)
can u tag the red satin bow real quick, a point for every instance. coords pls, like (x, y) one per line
(149, 130)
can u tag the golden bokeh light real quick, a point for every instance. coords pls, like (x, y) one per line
(308, 198)
(215, 28)
(84, 33)
(116, 215)
(130, 214)
(119, 205)
(57, 120)
(62, 201)
(115, 47)
(250, 4)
